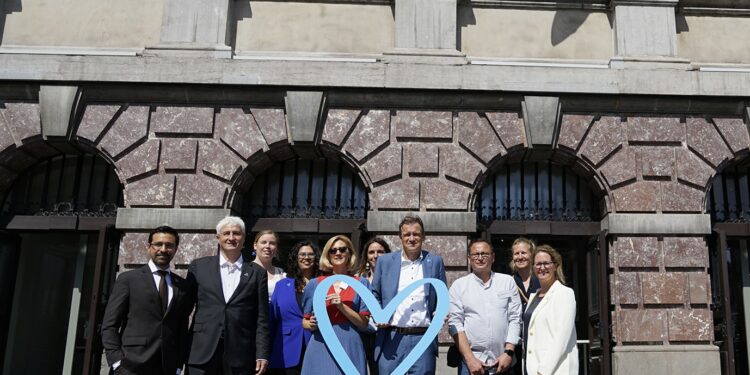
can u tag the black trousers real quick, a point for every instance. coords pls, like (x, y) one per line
(217, 365)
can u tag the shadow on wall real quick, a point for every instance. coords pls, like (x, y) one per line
(8, 7)
(239, 11)
(565, 24)
(681, 23)
(465, 17)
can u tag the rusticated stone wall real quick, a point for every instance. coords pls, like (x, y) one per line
(654, 164)
(425, 160)
(181, 157)
(422, 160)
(20, 125)
(660, 289)
(660, 286)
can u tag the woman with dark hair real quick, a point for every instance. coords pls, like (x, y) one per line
(285, 314)
(372, 250)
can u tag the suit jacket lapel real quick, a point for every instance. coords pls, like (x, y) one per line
(426, 271)
(177, 290)
(247, 269)
(397, 265)
(543, 303)
(216, 277)
(148, 278)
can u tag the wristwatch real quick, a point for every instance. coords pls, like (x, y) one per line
(509, 352)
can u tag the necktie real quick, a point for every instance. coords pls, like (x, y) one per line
(163, 291)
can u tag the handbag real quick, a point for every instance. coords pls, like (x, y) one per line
(453, 358)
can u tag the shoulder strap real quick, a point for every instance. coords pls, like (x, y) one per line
(523, 295)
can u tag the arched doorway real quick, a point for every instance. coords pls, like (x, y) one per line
(551, 204)
(306, 199)
(728, 203)
(58, 255)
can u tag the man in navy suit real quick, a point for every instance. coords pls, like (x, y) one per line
(144, 330)
(396, 271)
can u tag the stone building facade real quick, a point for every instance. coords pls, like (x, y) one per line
(424, 102)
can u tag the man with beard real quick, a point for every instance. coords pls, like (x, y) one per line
(145, 324)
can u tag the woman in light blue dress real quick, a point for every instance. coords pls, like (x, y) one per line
(347, 313)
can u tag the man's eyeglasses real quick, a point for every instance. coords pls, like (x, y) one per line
(541, 265)
(166, 245)
(336, 250)
(480, 255)
(305, 256)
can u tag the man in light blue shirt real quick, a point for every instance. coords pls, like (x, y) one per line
(485, 315)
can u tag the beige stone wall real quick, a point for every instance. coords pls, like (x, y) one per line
(83, 23)
(714, 39)
(514, 33)
(310, 27)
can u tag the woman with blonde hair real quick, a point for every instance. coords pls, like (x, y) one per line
(346, 311)
(522, 252)
(265, 246)
(549, 320)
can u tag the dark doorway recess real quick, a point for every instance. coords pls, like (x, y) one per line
(550, 203)
(58, 261)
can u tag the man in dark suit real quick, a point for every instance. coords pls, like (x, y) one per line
(394, 272)
(230, 333)
(145, 324)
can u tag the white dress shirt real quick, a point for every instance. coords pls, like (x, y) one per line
(157, 279)
(230, 275)
(278, 274)
(412, 312)
(488, 313)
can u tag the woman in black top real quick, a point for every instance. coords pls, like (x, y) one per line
(521, 265)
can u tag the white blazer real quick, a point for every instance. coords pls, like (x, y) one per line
(551, 345)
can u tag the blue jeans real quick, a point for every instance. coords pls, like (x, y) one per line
(395, 348)
(463, 370)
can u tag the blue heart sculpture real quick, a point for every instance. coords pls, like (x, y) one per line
(379, 316)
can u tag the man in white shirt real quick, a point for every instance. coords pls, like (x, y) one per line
(144, 330)
(230, 333)
(396, 271)
(485, 315)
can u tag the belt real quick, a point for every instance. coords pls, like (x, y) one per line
(409, 330)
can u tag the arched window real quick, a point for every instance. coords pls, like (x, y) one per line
(536, 191)
(305, 199)
(729, 196)
(58, 254)
(66, 185)
(300, 188)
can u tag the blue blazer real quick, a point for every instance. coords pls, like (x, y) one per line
(285, 317)
(388, 271)
(385, 285)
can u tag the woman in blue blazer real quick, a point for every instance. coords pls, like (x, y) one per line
(285, 315)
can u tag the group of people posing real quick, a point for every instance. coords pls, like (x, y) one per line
(251, 317)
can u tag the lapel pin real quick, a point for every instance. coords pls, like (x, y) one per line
(246, 274)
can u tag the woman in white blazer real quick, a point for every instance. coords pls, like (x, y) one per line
(549, 319)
